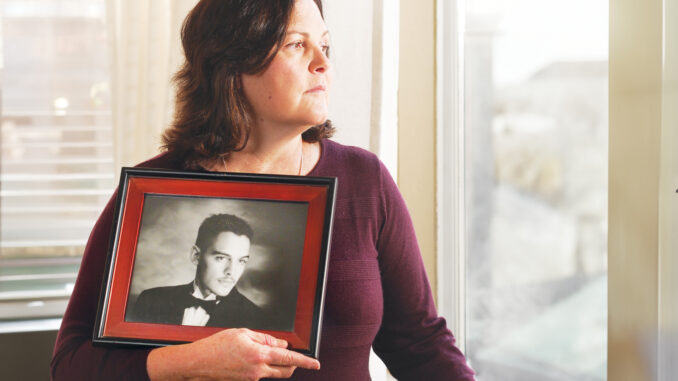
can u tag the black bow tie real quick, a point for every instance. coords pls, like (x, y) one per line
(207, 305)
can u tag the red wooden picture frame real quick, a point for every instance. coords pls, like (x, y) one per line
(135, 183)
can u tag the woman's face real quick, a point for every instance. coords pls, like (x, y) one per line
(293, 91)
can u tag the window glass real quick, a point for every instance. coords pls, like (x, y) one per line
(56, 168)
(535, 125)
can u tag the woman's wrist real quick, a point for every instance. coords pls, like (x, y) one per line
(170, 363)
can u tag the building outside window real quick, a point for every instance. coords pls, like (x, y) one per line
(533, 127)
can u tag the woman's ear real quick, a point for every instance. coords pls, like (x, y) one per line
(195, 254)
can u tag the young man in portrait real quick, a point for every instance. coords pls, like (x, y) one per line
(220, 253)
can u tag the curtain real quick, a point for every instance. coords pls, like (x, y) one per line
(145, 52)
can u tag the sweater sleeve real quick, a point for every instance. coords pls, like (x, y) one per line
(75, 358)
(413, 341)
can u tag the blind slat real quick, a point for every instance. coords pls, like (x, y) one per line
(54, 176)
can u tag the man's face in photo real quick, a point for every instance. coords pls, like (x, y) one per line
(222, 263)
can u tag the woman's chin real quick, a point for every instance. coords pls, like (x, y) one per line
(303, 121)
(317, 118)
(307, 123)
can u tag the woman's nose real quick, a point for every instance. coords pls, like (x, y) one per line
(320, 62)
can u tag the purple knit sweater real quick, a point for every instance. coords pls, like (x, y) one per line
(377, 290)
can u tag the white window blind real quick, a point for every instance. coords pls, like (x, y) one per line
(56, 168)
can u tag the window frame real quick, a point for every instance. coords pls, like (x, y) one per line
(643, 207)
(450, 156)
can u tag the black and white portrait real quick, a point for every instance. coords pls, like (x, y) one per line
(218, 262)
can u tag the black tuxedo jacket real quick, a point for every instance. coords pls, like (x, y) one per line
(166, 305)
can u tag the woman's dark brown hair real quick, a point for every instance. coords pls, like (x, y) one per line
(223, 39)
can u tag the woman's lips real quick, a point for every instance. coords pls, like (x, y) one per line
(316, 89)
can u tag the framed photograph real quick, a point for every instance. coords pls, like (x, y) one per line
(193, 253)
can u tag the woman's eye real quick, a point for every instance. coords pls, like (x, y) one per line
(296, 44)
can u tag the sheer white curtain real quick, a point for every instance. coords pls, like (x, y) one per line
(146, 51)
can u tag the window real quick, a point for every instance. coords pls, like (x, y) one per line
(532, 124)
(56, 169)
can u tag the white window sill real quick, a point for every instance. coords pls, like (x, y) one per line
(30, 325)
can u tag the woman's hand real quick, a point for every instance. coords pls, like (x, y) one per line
(232, 354)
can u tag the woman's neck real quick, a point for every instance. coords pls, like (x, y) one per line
(273, 152)
(267, 156)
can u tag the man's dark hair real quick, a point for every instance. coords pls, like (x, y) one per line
(215, 224)
(223, 39)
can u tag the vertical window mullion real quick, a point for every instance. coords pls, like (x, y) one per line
(450, 168)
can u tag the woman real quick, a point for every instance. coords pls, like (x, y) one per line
(253, 97)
